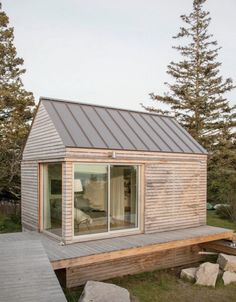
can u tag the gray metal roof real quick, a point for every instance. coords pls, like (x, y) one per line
(91, 126)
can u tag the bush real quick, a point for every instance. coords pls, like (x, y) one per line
(225, 212)
(9, 224)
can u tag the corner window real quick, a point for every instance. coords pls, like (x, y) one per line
(105, 198)
(52, 198)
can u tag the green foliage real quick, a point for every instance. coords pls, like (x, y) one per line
(197, 95)
(9, 224)
(214, 220)
(197, 99)
(222, 179)
(16, 111)
(224, 212)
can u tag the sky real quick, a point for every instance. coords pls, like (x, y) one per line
(109, 52)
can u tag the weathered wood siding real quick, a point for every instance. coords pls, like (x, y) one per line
(174, 185)
(29, 195)
(76, 276)
(175, 195)
(44, 141)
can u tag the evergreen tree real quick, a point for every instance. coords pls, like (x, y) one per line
(16, 110)
(196, 97)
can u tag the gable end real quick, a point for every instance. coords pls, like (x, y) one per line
(44, 142)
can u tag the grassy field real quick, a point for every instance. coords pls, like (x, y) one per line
(9, 224)
(214, 220)
(166, 286)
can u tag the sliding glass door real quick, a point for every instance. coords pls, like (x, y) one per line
(123, 197)
(90, 199)
(105, 198)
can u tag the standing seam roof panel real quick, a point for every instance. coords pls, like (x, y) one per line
(92, 134)
(173, 134)
(60, 127)
(117, 132)
(127, 129)
(71, 125)
(152, 133)
(141, 133)
(185, 132)
(92, 126)
(186, 141)
(170, 143)
(104, 131)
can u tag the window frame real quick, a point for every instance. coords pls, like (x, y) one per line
(42, 166)
(109, 233)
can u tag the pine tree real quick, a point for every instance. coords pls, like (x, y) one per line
(16, 110)
(197, 96)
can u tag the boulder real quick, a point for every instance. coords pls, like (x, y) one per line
(104, 292)
(227, 262)
(207, 274)
(229, 277)
(189, 273)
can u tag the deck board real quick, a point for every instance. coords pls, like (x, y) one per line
(25, 271)
(57, 252)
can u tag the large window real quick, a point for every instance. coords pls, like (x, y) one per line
(105, 198)
(52, 198)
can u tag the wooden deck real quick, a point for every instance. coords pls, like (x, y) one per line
(25, 271)
(120, 247)
(98, 260)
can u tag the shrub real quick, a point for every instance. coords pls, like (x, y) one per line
(225, 212)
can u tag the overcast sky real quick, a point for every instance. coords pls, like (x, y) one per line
(109, 52)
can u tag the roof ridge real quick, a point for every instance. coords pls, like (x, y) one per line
(102, 106)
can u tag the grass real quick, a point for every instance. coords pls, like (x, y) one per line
(165, 286)
(9, 224)
(214, 220)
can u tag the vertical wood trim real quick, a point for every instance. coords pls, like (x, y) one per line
(40, 196)
(67, 202)
(141, 197)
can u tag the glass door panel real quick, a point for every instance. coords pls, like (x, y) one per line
(90, 199)
(123, 197)
(52, 198)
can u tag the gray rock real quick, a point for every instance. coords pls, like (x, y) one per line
(207, 274)
(104, 292)
(227, 262)
(229, 277)
(189, 273)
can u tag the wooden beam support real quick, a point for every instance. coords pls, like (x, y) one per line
(220, 246)
(98, 258)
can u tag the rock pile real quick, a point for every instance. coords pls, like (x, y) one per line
(206, 274)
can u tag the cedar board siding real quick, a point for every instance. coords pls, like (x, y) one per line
(29, 195)
(175, 195)
(174, 185)
(78, 275)
(44, 141)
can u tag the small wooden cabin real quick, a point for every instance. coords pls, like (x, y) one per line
(91, 172)
(113, 192)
